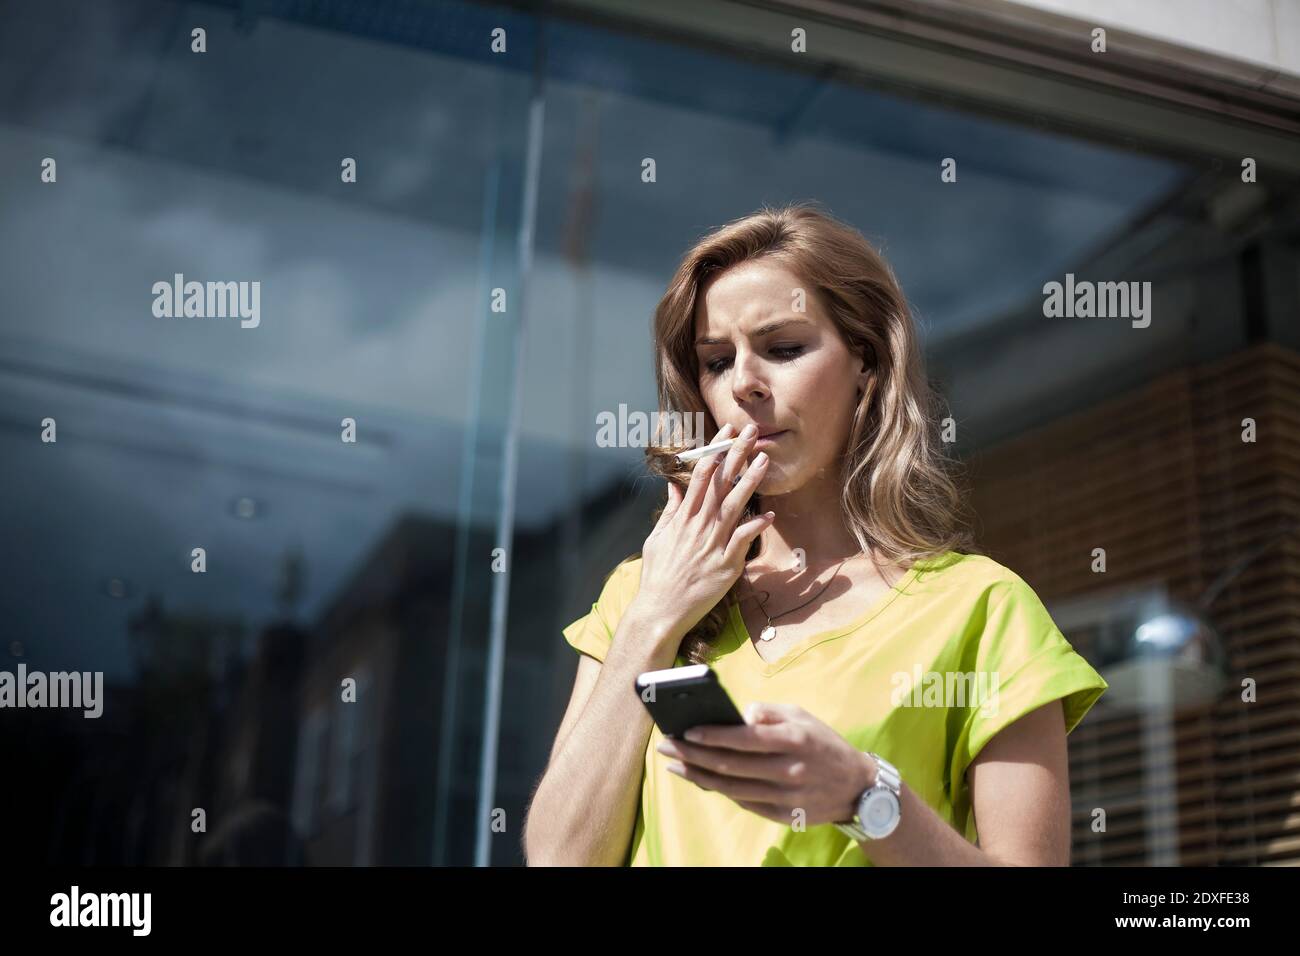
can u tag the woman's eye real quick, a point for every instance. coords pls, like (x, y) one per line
(781, 352)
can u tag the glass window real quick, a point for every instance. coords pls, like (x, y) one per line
(384, 378)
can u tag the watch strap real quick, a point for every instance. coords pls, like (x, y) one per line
(887, 775)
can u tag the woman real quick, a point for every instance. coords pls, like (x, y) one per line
(898, 688)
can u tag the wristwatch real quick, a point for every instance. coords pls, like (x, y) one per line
(879, 807)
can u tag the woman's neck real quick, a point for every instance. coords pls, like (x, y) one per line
(808, 531)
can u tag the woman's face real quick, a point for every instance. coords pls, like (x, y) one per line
(762, 362)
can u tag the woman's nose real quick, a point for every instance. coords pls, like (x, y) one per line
(746, 379)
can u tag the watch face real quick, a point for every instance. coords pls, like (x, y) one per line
(879, 813)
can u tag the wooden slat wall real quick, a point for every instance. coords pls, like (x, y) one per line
(1161, 479)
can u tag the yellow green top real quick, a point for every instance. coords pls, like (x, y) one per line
(958, 649)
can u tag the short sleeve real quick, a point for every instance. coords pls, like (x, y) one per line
(1022, 661)
(594, 632)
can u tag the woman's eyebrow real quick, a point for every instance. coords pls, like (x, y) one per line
(757, 333)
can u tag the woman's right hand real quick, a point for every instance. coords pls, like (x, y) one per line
(696, 552)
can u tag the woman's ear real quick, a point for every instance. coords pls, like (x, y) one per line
(866, 379)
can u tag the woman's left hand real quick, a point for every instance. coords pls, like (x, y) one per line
(782, 761)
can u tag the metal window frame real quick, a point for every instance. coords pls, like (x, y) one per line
(1142, 94)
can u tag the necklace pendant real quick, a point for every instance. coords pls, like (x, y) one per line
(769, 632)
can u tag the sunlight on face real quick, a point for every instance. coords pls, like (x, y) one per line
(762, 362)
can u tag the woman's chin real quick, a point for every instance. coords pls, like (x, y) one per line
(772, 484)
(782, 480)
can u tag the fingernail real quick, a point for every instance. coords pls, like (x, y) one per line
(760, 458)
(749, 432)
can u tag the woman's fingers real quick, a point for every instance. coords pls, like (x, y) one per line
(744, 535)
(734, 504)
(702, 473)
(674, 502)
(722, 482)
(736, 456)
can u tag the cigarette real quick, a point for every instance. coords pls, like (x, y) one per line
(696, 453)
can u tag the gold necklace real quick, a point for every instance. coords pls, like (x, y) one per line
(769, 632)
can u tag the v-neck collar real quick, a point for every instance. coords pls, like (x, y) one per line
(768, 668)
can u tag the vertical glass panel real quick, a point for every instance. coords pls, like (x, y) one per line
(310, 437)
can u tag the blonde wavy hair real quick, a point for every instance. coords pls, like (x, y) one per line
(899, 492)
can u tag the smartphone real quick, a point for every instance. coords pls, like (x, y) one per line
(680, 698)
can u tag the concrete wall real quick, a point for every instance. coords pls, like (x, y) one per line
(1261, 32)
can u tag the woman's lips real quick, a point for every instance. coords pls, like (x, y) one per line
(769, 439)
